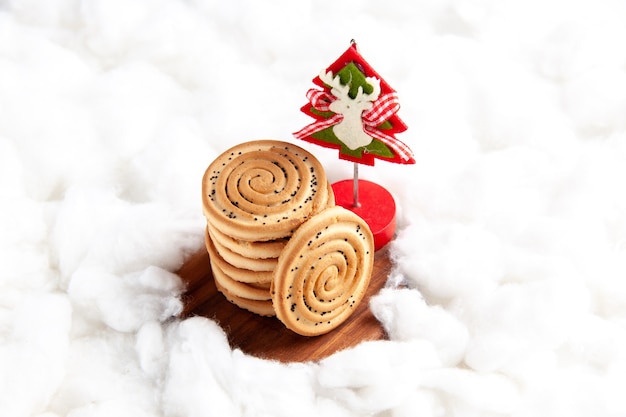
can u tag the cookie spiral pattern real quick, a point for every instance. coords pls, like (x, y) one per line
(323, 272)
(263, 190)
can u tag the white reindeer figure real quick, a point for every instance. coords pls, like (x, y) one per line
(350, 129)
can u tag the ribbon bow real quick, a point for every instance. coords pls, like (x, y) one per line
(382, 109)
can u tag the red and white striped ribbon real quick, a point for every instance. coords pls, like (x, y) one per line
(382, 109)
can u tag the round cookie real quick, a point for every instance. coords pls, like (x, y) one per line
(240, 261)
(262, 308)
(234, 287)
(323, 272)
(247, 249)
(240, 289)
(247, 276)
(263, 190)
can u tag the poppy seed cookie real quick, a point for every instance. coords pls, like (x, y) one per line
(263, 190)
(323, 272)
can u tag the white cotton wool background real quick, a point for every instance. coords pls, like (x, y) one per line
(508, 290)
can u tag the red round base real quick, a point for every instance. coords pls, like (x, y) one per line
(376, 207)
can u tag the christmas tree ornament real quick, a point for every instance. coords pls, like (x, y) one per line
(355, 112)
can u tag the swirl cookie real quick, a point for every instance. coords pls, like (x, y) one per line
(247, 249)
(252, 296)
(263, 190)
(240, 261)
(323, 272)
(260, 307)
(243, 275)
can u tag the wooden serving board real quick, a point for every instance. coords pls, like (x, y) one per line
(267, 337)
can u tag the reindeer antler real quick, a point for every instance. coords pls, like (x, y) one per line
(341, 91)
(337, 89)
(373, 96)
(366, 99)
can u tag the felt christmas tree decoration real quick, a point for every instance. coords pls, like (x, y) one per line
(355, 112)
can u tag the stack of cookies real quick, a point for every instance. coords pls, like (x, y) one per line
(257, 197)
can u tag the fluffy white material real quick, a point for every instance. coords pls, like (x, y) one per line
(508, 294)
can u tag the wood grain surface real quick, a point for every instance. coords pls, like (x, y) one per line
(267, 337)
